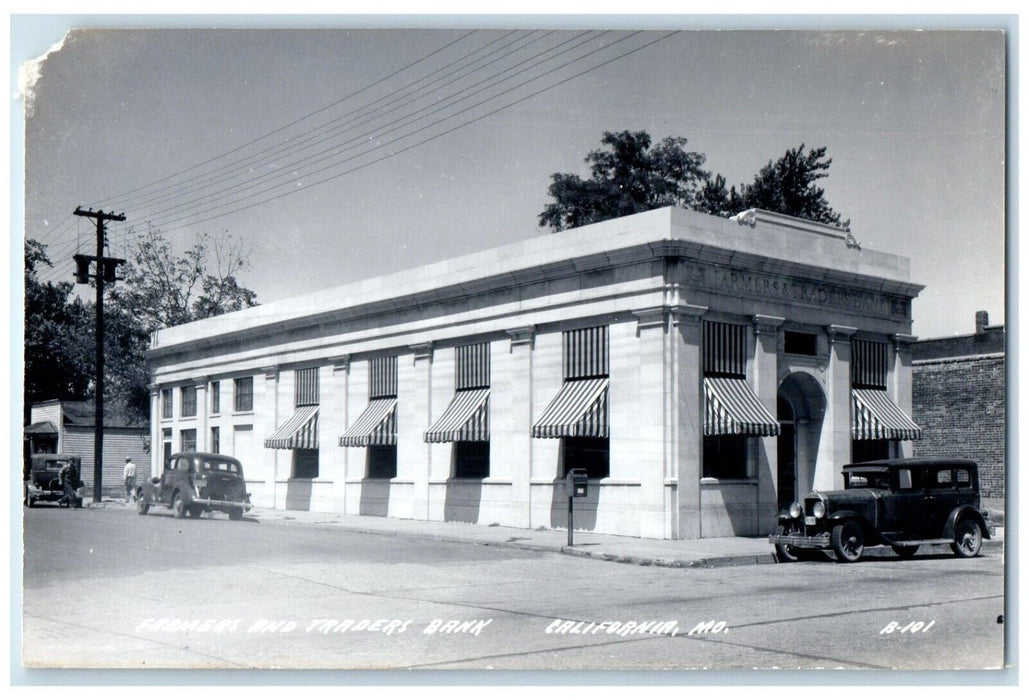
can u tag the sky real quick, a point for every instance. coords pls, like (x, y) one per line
(335, 154)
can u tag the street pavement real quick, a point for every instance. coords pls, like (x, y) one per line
(704, 553)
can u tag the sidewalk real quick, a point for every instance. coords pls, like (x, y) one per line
(702, 553)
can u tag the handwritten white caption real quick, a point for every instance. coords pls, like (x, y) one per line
(315, 626)
(669, 628)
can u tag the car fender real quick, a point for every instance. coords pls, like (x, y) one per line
(841, 516)
(962, 512)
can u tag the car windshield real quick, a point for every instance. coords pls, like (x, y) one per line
(55, 464)
(220, 466)
(868, 480)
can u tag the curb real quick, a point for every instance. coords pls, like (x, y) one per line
(672, 563)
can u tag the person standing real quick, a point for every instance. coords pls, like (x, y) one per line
(130, 478)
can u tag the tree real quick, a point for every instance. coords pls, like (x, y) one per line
(58, 356)
(787, 186)
(626, 176)
(160, 288)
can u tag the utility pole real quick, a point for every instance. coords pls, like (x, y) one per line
(105, 272)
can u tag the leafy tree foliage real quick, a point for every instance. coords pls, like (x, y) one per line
(160, 288)
(58, 338)
(788, 186)
(626, 176)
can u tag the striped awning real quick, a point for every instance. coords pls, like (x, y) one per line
(465, 420)
(877, 417)
(578, 410)
(298, 433)
(376, 426)
(734, 409)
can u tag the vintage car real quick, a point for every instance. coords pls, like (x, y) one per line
(194, 483)
(900, 503)
(44, 480)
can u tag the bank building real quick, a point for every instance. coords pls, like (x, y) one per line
(702, 370)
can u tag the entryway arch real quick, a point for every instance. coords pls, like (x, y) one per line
(801, 409)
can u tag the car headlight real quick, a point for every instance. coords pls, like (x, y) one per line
(795, 510)
(818, 510)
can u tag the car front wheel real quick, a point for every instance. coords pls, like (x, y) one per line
(784, 553)
(178, 506)
(142, 504)
(968, 538)
(848, 541)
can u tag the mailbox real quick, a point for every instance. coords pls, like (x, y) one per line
(577, 482)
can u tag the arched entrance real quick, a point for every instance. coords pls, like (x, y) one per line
(801, 408)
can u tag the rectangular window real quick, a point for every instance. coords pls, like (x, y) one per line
(868, 364)
(590, 453)
(188, 440)
(382, 461)
(243, 394)
(166, 403)
(383, 380)
(725, 350)
(305, 464)
(800, 343)
(472, 366)
(962, 478)
(216, 440)
(725, 457)
(585, 353)
(216, 397)
(471, 460)
(306, 390)
(166, 444)
(188, 396)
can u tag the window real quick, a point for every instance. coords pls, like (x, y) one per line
(166, 403)
(216, 397)
(305, 393)
(800, 343)
(868, 365)
(216, 441)
(305, 464)
(471, 460)
(725, 350)
(963, 478)
(589, 453)
(725, 457)
(383, 379)
(943, 480)
(382, 461)
(472, 366)
(166, 440)
(188, 394)
(243, 394)
(188, 440)
(585, 353)
(869, 450)
(909, 479)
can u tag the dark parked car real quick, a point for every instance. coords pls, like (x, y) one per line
(194, 483)
(45, 479)
(902, 503)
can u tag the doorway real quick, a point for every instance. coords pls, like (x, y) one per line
(801, 409)
(786, 485)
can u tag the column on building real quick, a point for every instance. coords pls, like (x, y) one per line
(900, 382)
(409, 496)
(546, 492)
(511, 444)
(834, 442)
(688, 436)
(333, 421)
(156, 445)
(203, 420)
(266, 418)
(765, 380)
(445, 499)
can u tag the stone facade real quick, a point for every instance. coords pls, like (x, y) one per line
(959, 399)
(795, 295)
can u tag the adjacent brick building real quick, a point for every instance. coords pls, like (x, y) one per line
(958, 399)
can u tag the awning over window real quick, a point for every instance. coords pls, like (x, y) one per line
(734, 409)
(298, 433)
(465, 420)
(877, 417)
(376, 426)
(41, 428)
(578, 410)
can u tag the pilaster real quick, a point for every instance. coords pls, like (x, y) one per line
(834, 447)
(765, 380)
(687, 420)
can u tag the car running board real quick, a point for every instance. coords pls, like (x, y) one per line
(912, 543)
